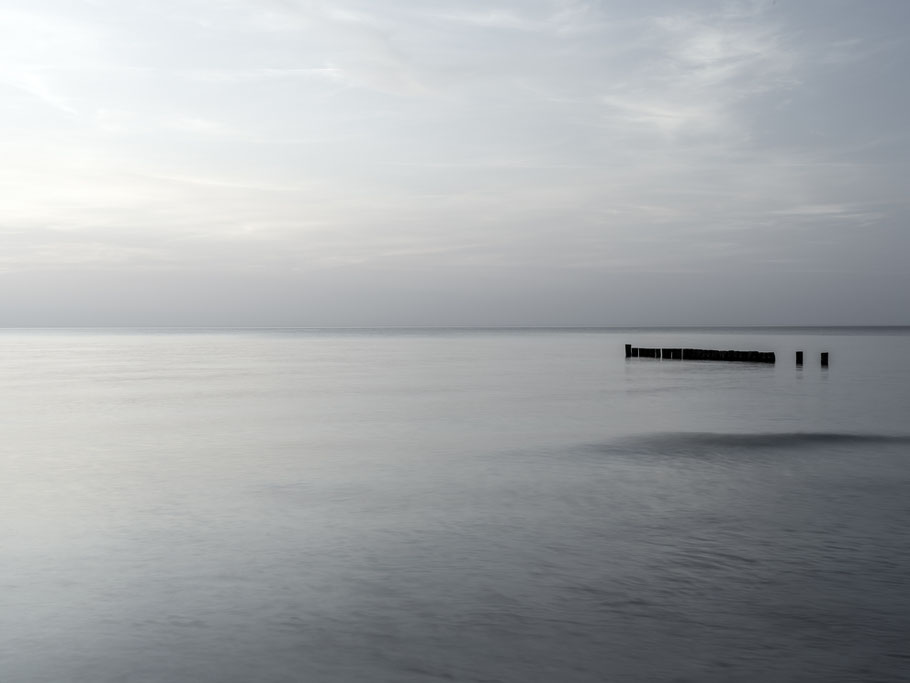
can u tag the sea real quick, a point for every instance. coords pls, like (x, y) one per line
(419, 505)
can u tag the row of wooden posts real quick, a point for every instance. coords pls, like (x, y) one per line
(700, 354)
(713, 354)
(823, 357)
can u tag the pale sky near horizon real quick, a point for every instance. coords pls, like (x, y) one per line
(513, 162)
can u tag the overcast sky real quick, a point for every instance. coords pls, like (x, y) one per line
(454, 162)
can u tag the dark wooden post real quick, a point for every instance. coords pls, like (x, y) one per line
(799, 357)
(824, 359)
(628, 350)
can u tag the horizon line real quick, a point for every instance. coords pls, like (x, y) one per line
(453, 327)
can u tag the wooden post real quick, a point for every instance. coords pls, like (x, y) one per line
(824, 359)
(799, 357)
(706, 354)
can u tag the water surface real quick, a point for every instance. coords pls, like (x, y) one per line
(366, 505)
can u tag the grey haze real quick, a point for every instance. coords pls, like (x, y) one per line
(533, 162)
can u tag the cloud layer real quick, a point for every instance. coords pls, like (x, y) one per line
(533, 162)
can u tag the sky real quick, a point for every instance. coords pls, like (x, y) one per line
(452, 162)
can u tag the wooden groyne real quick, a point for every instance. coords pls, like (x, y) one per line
(799, 359)
(701, 354)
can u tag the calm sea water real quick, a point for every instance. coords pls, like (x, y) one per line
(402, 506)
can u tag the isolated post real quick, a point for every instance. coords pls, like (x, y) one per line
(799, 358)
(824, 359)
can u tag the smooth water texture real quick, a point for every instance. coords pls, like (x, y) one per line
(399, 506)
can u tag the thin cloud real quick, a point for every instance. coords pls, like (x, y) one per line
(290, 135)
